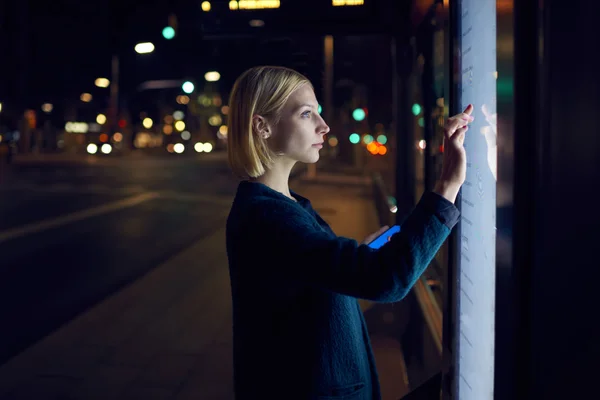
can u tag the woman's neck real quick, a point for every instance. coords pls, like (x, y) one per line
(278, 177)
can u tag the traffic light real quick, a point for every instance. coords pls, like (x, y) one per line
(376, 148)
(168, 32)
(372, 148)
(416, 109)
(359, 114)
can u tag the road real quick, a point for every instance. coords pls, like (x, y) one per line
(73, 233)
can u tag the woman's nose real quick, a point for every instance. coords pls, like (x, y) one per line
(323, 129)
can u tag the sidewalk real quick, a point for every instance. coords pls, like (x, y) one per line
(168, 335)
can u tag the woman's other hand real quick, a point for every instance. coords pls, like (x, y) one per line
(454, 166)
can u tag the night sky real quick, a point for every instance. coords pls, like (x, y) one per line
(55, 50)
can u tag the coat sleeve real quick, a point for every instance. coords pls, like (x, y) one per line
(295, 248)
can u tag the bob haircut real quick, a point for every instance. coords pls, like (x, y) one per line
(260, 91)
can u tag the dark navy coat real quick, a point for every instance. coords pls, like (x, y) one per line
(298, 330)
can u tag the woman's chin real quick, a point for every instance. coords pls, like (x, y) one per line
(311, 159)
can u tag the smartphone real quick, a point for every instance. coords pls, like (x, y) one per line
(384, 237)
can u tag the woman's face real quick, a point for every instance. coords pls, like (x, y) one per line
(299, 135)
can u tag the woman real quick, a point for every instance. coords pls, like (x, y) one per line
(298, 329)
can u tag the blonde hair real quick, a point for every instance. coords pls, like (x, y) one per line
(258, 91)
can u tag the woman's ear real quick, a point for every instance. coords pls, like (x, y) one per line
(260, 127)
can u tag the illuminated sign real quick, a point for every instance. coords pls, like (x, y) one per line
(339, 3)
(253, 4)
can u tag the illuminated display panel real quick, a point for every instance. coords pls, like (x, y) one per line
(476, 270)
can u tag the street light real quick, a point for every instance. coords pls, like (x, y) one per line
(212, 76)
(86, 97)
(187, 87)
(102, 82)
(144, 48)
(147, 122)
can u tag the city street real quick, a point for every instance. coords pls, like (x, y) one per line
(115, 280)
(73, 232)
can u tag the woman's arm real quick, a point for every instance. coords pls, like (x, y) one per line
(294, 248)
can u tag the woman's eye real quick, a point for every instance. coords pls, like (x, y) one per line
(306, 113)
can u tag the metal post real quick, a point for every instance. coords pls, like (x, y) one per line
(114, 93)
(327, 92)
(428, 102)
(405, 164)
(22, 60)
